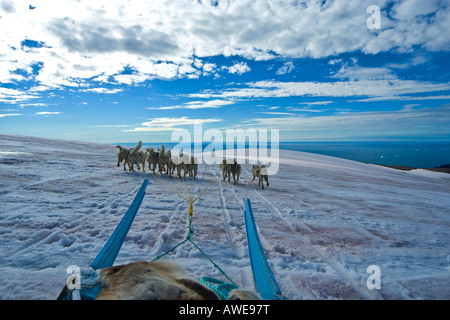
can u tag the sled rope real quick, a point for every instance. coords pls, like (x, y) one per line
(187, 196)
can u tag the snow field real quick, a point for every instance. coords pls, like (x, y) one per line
(322, 222)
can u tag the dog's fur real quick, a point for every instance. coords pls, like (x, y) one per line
(122, 156)
(240, 294)
(192, 167)
(157, 281)
(188, 164)
(162, 159)
(170, 165)
(225, 167)
(152, 159)
(165, 161)
(151, 281)
(180, 163)
(137, 157)
(260, 172)
(236, 171)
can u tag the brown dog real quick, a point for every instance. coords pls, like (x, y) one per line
(158, 281)
(151, 281)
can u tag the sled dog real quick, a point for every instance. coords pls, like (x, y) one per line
(122, 156)
(236, 171)
(152, 159)
(157, 281)
(192, 167)
(137, 157)
(260, 172)
(226, 170)
(165, 161)
(151, 281)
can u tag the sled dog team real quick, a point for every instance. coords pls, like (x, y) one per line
(161, 159)
(165, 162)
(164, 280)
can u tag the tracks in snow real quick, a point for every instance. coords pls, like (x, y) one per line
(233, 219)
(234, 225)
(338, 267)
(231, 212)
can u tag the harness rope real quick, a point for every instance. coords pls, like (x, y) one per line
(187, 196)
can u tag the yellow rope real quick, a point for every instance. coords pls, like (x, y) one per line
(186, 191)
(187, 195)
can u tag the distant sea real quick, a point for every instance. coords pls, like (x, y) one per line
(410, 154)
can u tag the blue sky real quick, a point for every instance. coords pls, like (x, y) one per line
(120, 71)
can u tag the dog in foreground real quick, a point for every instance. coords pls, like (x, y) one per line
(158, 281)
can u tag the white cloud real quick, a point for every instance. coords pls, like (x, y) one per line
(278, 113)
(317, 103)
(286, 68)
(79, 41)
(423, 122)
(412, 9)
(209, 67)
(364, 73)
(13, 96)
(3, 115)
(103, 90)
(361, 88)
(304, 109)
(169, 124)
(197, 105)
(405, 98)
(37, 104)
(113, 126)
(334, 61)
(46, 113)
(239, 68)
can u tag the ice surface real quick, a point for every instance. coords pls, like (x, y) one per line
(322, 222)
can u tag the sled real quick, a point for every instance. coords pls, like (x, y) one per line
(107, 255)
(265, 282)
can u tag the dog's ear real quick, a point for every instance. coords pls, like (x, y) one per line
(119, 148)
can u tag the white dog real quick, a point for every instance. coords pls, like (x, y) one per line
(137, 157)
(189, 164)
(153, 159)
(122, 156)
(165, 162)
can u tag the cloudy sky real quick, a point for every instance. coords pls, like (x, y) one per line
(122, 71)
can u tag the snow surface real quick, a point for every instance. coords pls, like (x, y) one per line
(322, 222)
